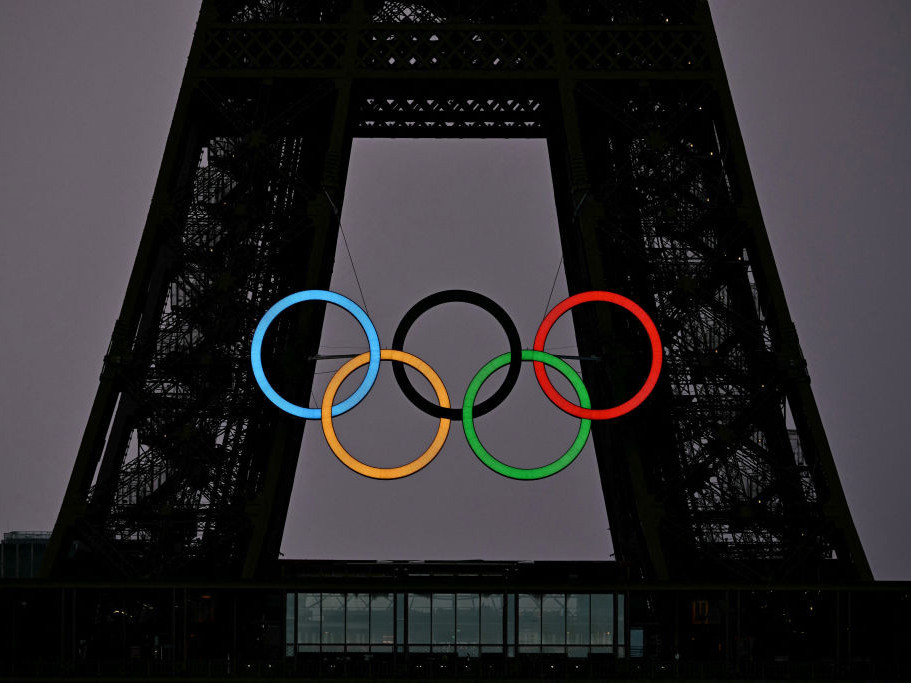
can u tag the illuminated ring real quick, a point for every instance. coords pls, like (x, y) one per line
(516, 472)
(357, 465)
(585, 411)
(481, 301)
(373, 341)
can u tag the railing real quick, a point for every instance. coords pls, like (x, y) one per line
(436, 667)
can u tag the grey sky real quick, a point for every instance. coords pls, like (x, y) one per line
(423, 216)
(823, 101)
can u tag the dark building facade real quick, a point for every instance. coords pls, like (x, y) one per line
(21, 553)
(439, 620)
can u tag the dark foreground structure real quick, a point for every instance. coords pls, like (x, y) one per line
(437, 620)
(737, 555)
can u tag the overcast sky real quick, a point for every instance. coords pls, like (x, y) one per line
(823, 102)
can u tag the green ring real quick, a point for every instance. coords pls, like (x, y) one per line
(517, 472)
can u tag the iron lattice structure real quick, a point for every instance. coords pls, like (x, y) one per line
(185, 469)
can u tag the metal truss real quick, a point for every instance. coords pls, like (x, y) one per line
(672, 219)
(414, 49)
(187, 452)
(188, 409)
(725, 472)
(473, 37)
(421, 115)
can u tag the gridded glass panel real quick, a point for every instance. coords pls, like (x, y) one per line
(289, 624)
(357, 624)
(308, 621)
(577, 616)
(636, 642)
(9, 553)
(621, 619)
(553, 622)
(468, 618)
(418, 622)
(621, 626)
(492, 619)
(400, 621)
(333, 622)
(602, 620)
(511, 622)
(529, 619)
(382, 612)
(443, 622)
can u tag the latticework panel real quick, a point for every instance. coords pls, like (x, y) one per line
(516, 12)
(268, 11)
(456, 11)
(448, 116)
(258, 47)
(613, 50)
(188, 448)
(277, 36)
(671, 215)
(186, 472)
(419, 49)
(630, 12)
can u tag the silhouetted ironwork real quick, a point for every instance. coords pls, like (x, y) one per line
(725, 473)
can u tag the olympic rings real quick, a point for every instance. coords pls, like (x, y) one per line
(444, 412)
(315, 295)
(516, 472)
(384, 472)
(586, 411)
(481, 301)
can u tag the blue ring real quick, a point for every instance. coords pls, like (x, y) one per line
(373, 340)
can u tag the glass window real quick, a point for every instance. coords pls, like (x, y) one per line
(511, 624)
(468, 618)
(382, 611)
(636, 642)
(577, 615)
(419, 622)
(443, 622)
(289, 624)
(602, 620)
(333, 622)
(308, 621)
(553, 622)
(530, 622)
(578, 629)
(492, 621)
(400, 622)
(469, 651)
(621, 625)
(357, 622)
(7, 557)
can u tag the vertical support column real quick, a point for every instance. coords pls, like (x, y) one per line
(850, 552)
(172, 174)
(635, 514)
(269, 511)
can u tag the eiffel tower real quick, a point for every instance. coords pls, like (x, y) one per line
(725, 473)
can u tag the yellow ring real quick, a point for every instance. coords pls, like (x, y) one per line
(357, 465)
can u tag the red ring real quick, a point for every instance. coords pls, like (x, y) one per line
(604, 413)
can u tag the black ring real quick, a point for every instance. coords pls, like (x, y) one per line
(481, 301)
